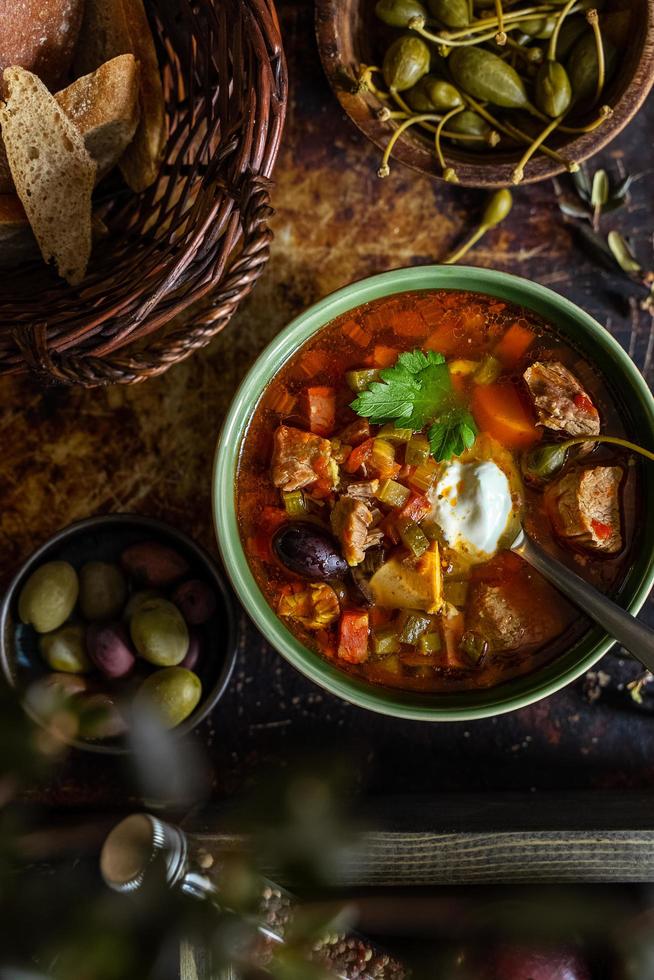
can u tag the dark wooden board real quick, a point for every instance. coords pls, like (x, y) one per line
(69, 453)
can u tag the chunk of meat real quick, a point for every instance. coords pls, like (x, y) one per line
(301, 459)
(315, 607)
(365, 490)
(512, 615)
(584, 506)
(351, 518)
(561, 402)
(356, 432)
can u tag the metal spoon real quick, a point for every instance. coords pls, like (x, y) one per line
(634, 636)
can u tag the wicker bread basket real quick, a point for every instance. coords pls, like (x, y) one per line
(196, 241)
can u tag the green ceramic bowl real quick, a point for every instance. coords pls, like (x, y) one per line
(628, 388)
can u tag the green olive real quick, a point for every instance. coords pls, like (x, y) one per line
(497, 208)
(582, 67)
(405, 62)
(485, 76)
(65, 650)
(553, 91)
(543, 463)
(102, 590)
(48, 597)
(174, 693)
(442, 95)
(159, 633)
(398, 13)
(452, 13)
(137, 599)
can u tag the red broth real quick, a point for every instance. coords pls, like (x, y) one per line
(465, 327)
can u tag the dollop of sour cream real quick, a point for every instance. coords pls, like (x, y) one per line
(472, 506)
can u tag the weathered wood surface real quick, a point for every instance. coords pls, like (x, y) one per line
(69, 453)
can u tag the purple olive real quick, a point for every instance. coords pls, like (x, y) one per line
(196, 601)
(309, 551)
(191, 659)
(153, 564)
(108, 647)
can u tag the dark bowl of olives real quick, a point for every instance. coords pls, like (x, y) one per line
(488, 94)
(111, 616)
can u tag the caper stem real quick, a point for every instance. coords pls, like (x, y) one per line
(593, 19)
(519, 170)
(365, 82)
(500, 37)
(449, 173)
(510, 130)
(470, 137)
(467, 245)
(532, 56)
(397, 98)
(531, 13)
(447, 42)
(605, 113)
(384, 169)
(554, 40)
(613, 440)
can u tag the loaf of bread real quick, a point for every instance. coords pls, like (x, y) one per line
(53, 173)
(115, 27)
(105, 109)
(40, 35)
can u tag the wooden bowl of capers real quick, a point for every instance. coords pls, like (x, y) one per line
(113, 616)
(488, 93)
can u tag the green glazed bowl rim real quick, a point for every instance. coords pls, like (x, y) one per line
(587, 333)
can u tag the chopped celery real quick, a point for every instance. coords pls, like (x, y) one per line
(385, 641)
(295, 503)
(392, 493)
(488, 371)
(415, 624)
(474, 646)
(455, 592)
(389, 432)
(392, 665)
(429, 643)
(424, 476)
(383, 456)
(360, 380)
(412, 537)
(431, 530)
(417, 450)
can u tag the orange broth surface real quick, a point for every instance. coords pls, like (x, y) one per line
(459, 325)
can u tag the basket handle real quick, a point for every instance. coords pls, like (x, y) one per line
(213, 314)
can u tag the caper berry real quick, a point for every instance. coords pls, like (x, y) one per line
(405, 62)
(452, 13)
(398, 13)
(485, 76)
(553, 91)
(542, 463)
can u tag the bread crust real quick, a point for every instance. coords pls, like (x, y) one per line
(41, 36)
(111, 28)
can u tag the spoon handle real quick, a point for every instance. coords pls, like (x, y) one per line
(633, 635)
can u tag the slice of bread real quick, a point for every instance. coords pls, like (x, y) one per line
(111, 28)
(105, 109)
(52, 170)
(40, 35)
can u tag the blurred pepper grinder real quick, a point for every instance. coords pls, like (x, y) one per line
(140, 840)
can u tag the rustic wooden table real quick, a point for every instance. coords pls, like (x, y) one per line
(68, 453)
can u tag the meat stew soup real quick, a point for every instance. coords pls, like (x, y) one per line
(385, 473)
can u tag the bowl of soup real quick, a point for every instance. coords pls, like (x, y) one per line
(377, 462)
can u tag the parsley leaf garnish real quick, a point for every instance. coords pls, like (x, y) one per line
(417, 392)
(453, 433)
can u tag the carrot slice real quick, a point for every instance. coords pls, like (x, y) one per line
(514, 344)
(358, 456)
(313, 362)
(498, 410)
(383, 357)
(353, 637)
(321, 410)
(407, 323)
(416, 507)
(355, 332)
